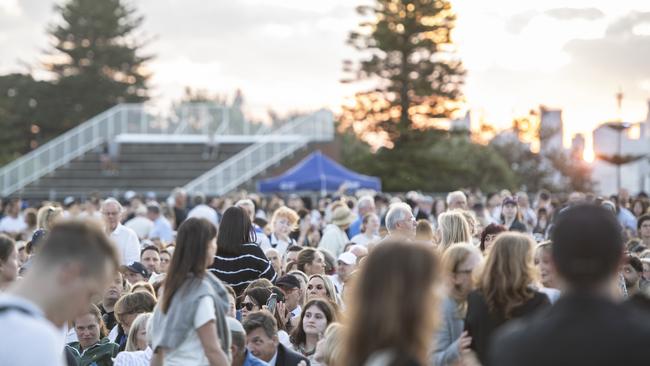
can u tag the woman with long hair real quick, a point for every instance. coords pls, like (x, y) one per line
(239, 259)
(311, 261)
(506, 290)
(369, 230)
(321, 286)
(453, 228)
(390, 317)
(189, 325)
(459, 263)
(318, 313)
(138, 351)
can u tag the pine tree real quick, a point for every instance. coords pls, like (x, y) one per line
(413, 64)
(97, 60)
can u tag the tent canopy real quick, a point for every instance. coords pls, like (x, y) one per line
(317, 172)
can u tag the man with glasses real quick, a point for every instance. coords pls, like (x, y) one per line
(126, 239)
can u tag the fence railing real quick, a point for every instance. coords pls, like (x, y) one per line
(196, 118)
(253, 160)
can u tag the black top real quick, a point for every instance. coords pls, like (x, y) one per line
(287, 357)
(240, 270)
(180, 214)
(578, 330)
(481, 323)
(108, 317)
(518, 226)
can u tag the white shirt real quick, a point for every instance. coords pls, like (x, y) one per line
(127, 243)
(338, 284)
(362, 239)
(205, 212)
(333, 240)
(162, 229)
(10, 224)
(23, 334)
(136, 358)
(296, 312)
(190, 352)
(141, 225)
(277, 244)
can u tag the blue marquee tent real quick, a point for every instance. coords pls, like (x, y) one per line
(316, 173)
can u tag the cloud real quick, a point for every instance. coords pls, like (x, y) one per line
(575, 13)
(516, 23)
(626, 25)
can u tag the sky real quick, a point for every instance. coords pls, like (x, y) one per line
(287, 54)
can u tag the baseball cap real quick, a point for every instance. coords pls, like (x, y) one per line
(288, 282)
(509, 201)
(137, 267)
(69, 201)
(348, 258)
(234, 325)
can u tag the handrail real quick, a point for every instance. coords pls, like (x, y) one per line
(122, 118)
(227, 176)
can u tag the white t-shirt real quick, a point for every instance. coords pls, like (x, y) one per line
(9, 224)
(362, 239)
(22, 334)
(190, 352)
(128, 244)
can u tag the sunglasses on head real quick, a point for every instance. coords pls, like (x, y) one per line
(248, 305)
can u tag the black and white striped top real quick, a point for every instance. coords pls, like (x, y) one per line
(239, 271)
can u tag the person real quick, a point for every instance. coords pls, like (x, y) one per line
(347, 264)
(334, 235)
(400, 222)
(587, 325)
(488, 235)
(254, 299)
(632, 273)
(75, 264)
(365, 207)
(328, 349)
(510, 215)
(144, 287)
(189, 325)
(528, 215)
(423, 209)
(138, 352)
(456, 200)
(543, 222)
(274, 257)
(127, 308)
(165, 258)
(92, 347)
(240, 355)
(263, 342)
(505, 290)
(424, 231)
(178, 200)
(259, 236)
(135, 272)
(452, 229)
(459, 263)
(389, 318)
(12, 223)
(239, 261)
(291, 255)
(318, 314)
(360, 252)
(30, 215)
(293, 295)
(113, 293)
(369, 230)
(47, 216)
(643, 227)
(320, 286)
(202, 210)
(283, 222)
(8, 262)
(126, 239)
(311, 261)
(161, 229)
(150, 258)
(140, 223)
(543, 263)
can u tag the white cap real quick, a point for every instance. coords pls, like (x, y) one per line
(234, 325)
(348, 258)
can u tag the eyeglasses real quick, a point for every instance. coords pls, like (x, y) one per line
(248, 305)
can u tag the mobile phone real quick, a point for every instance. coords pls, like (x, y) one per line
(272, 302)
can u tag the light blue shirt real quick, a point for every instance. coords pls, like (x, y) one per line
(251, 360)
(274, 359)
(162, 229)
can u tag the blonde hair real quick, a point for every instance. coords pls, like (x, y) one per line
(287, 213)
(47, 216)
(139, 322)
(143, 286)
(452, 258)
(424, 231)
(508, 273)
(332, 344)
(453, 229)
(329, 287)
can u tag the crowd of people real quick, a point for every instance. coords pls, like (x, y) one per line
(524, 278)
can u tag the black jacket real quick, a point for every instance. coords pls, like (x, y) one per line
(481, 323)
(578, 330)
(287, 357)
